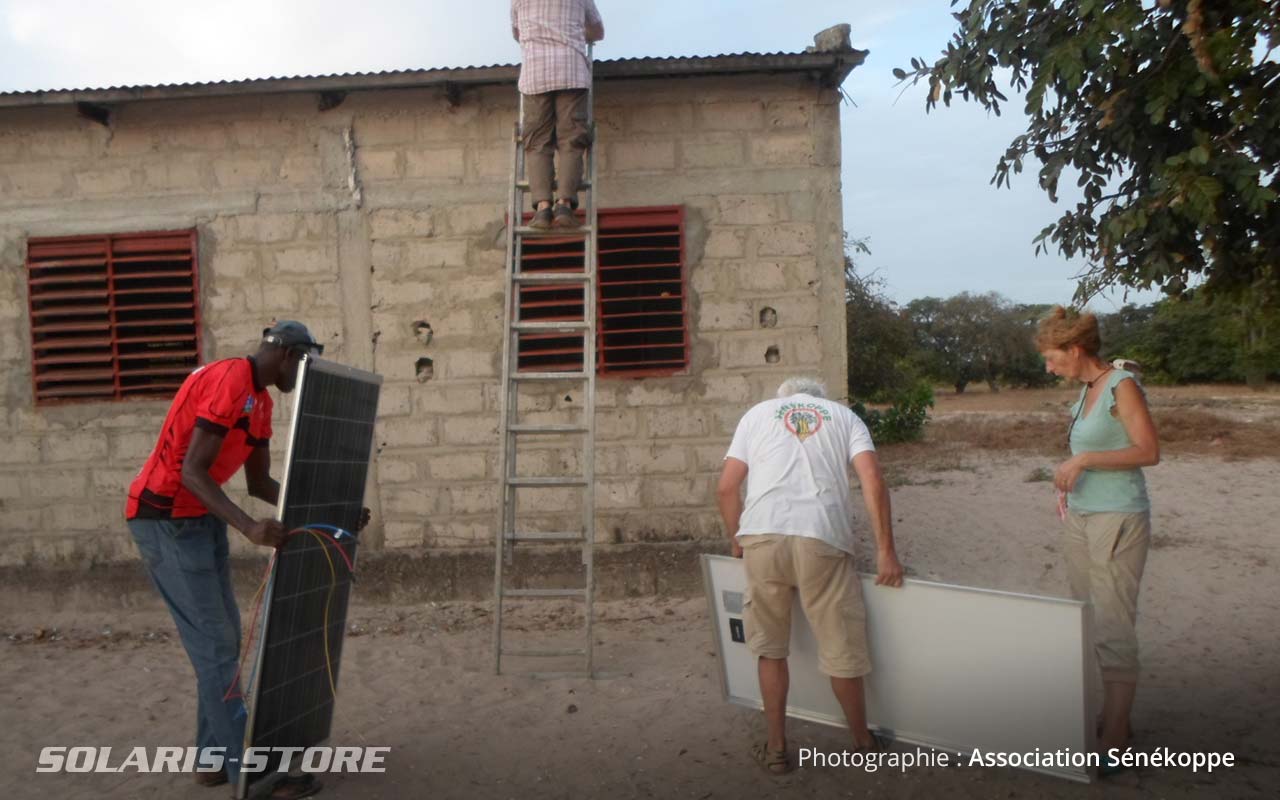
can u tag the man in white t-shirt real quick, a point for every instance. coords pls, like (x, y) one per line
(795, 533)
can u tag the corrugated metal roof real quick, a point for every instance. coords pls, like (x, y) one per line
(830, 67)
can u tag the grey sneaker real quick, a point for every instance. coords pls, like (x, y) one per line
(564, 217)
(541, 219)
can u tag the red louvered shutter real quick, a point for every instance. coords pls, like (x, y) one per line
(642, 304)
(113, 317)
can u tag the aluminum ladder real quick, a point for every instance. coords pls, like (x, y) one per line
(512, 430)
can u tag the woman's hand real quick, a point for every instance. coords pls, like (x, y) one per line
(1064, 480)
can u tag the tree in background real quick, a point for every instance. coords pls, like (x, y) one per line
(1124, 333)
(1189, 339)
(1168, 114)
(880, 344)
(944, 352)
(972, 337)
(879, 337)
(1259, 327)
(1026, 367)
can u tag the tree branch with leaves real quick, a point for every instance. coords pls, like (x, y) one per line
(1168, 116)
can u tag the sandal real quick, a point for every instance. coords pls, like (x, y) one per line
(541, 219)
(775, 762)
(295, 787)
(1111, 766)
(210, 779)
(879, 744)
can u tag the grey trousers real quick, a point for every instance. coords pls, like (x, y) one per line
(555, 122)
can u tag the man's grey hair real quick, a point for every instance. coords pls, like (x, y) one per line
(802, 385)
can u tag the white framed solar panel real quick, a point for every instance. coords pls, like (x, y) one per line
(953, 667)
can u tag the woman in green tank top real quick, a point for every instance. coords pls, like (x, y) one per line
(1107, 518)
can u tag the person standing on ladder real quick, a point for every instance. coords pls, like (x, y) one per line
(555, 73)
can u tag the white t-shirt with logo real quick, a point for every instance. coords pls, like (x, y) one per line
(797, 451)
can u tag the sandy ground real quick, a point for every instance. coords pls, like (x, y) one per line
(417, 678)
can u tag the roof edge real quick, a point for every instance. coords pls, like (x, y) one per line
(831, 68)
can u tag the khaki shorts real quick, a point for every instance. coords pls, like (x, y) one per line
(1106, 553)
(830, 594)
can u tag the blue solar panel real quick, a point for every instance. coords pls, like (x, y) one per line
(305, 608)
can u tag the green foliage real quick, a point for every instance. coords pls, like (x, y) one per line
(968, 337)
(880, 339)
(1168, 116)
(1184, 343)
(1124, 333)
(903, 420)
(1194, 340)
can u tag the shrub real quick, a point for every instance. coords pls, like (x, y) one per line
(903, 420)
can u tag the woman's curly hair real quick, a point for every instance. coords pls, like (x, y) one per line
(1065, 327)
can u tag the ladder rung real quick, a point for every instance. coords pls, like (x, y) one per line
(554, 233)
(549, 376)
(544, 592)
(541, 536)
(574, 481)
(583, 186)
(570, 428)
(550, 326)
(551, 277)
(532, 653)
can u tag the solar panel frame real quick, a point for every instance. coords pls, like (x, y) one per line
(301, 588)
(1034, 653)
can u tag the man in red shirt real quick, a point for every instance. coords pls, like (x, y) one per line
(220, 420)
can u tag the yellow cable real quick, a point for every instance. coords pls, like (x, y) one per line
(333, 583)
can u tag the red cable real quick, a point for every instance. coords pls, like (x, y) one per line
(332, 540)
(253, 625)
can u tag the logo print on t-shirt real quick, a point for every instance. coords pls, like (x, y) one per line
(248, 405)
(803, 420)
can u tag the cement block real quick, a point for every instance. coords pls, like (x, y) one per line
(444, 163)
(618, 493)
(75, 446)
(733, 116)
(642, 156)
(776, 150)
(749, 209)
(794, 239)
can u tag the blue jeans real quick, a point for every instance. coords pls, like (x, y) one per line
(187, 561)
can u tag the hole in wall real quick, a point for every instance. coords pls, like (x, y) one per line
(422, 331)
(426, 369)
(771, 355)
(768, 317)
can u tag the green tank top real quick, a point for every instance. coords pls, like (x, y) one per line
(1123, 490)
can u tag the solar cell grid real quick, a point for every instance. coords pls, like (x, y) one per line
(305, 611)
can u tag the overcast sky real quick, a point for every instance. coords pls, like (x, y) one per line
(916, 184)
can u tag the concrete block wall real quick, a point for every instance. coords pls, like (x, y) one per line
(371, 219)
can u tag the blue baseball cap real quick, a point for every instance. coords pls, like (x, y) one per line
(292, 335)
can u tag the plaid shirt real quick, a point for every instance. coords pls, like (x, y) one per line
(553, 38)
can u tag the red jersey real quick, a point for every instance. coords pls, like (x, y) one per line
(223, 397)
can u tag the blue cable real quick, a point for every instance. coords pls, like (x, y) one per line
(338, 533)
